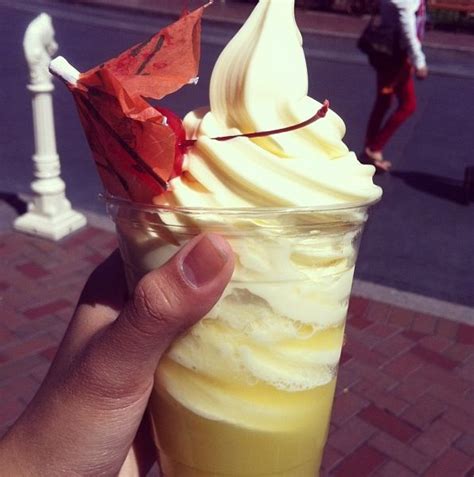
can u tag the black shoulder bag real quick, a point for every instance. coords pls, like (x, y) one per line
(380, 43)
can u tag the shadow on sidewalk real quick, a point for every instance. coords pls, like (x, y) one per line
(455, 190)
(14, 202)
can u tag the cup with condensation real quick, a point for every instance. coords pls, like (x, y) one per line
(248, 390)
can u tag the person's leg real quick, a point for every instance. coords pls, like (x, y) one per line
(404, 88)
(386, 77)
(380, 108)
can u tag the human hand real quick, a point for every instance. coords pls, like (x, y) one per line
(86, 419)
(421, 73)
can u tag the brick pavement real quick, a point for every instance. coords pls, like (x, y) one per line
(405, 388)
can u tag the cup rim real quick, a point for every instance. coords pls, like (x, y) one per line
(113, 200)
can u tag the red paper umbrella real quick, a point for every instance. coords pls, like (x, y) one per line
(136, 146)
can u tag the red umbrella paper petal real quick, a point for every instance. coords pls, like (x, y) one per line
(162, 64)
(136, 148)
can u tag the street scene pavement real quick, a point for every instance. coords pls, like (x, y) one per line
(405, 387)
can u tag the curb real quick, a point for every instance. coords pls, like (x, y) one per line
(210, 17)
(412, 301)
(58, 8)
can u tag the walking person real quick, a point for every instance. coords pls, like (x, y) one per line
(395, 74)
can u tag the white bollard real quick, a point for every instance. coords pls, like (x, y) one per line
(49, 214)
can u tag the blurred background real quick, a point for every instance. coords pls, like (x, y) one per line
(443, 14)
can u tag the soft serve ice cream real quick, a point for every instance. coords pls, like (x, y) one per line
(260, 82)
(248, 390)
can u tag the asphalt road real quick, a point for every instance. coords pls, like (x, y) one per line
(419, 237)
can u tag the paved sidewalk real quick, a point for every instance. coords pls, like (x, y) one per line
(310, 21)
(405, 388)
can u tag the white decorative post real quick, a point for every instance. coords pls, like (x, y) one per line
(49, 214)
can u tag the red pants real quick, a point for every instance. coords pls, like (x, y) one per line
(390, 83)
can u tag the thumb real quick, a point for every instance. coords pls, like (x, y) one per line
(165, 303)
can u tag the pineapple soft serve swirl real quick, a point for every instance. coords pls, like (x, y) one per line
(260, 82)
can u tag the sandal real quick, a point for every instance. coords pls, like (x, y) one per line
(376, 158)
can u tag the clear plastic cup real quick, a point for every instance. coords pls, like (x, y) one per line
(248, 391)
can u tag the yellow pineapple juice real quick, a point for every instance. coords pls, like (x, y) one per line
(248, 390)
(263, 432)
